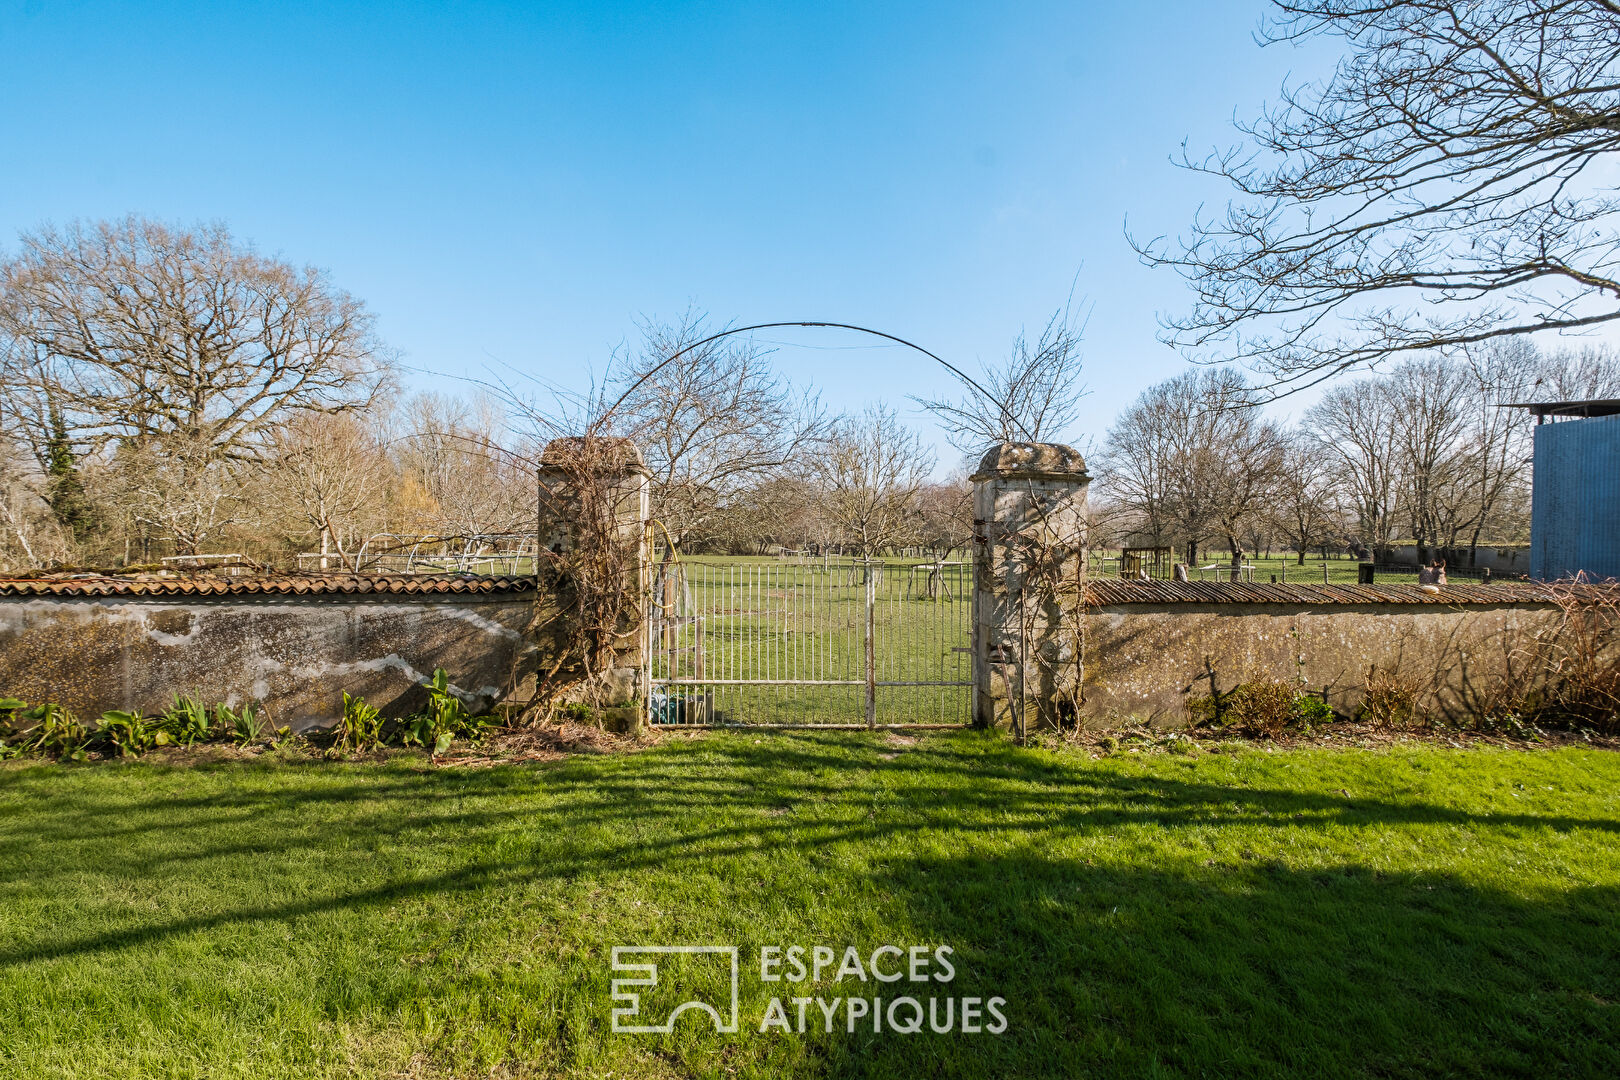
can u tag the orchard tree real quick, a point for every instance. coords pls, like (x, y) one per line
(712, 421)
(1031, 396)
(870, 477)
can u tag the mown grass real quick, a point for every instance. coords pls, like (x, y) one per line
(1415, 912)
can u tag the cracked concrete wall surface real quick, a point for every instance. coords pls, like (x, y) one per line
(1144, 661)
(1029, 539)
(295, 655)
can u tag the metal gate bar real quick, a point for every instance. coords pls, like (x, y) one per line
(818, 644)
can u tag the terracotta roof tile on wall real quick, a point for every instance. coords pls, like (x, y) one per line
(271, 585)
(1103, 592)
(1107, 592)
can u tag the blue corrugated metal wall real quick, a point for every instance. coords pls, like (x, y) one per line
(1575, 506)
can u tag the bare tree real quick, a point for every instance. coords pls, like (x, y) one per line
(184, 493)
(869, 476)
(947, 515)
(1441, 187)
(1232, 454)
(1592, 371)
(144, 334)
(329, 473)
(1032, 396)
(1431, 398)
(1134, 479)
(1500, 371)
(1428, 447)
(1302, 511)
(1193, 457)
(777, 509)
(1357, 426)
(453, 452)
(711, 419)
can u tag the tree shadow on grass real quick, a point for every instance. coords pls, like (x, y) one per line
(768, 774)
(1244, 967)
(1257, 970)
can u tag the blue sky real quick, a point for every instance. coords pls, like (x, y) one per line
(512, 185)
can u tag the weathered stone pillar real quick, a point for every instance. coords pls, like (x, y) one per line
(595, 491)
(1029, 544)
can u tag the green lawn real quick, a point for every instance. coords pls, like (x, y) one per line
(1419, 912)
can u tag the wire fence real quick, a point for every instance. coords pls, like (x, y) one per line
(1281, 568)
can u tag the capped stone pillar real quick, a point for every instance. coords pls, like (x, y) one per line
(594, 492)
(613, 468)
(1029, 550)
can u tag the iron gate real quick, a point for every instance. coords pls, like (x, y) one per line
(809, 641)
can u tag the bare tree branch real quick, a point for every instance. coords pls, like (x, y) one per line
(1443, 187)
(1032, 396)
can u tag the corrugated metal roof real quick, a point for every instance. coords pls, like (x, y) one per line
(1106, 592)
(1590, 407)
(268, 585)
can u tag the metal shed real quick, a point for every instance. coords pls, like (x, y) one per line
(1575, 502)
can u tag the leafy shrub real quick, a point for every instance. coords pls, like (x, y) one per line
(361, 726)
(578, 712)
(130, 733)
(51, 730)
(186, 721)
(10, 736)
(244, 727)
(445, 718)
(1314, 710)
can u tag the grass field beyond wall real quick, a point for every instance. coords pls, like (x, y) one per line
(1418, 912)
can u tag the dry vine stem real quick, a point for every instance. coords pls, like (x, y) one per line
(1051, 615)
(1574, 672)
(591, 560)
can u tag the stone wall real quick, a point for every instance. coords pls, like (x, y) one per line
(292, 644)
(1148, 646)
(1145, 658)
